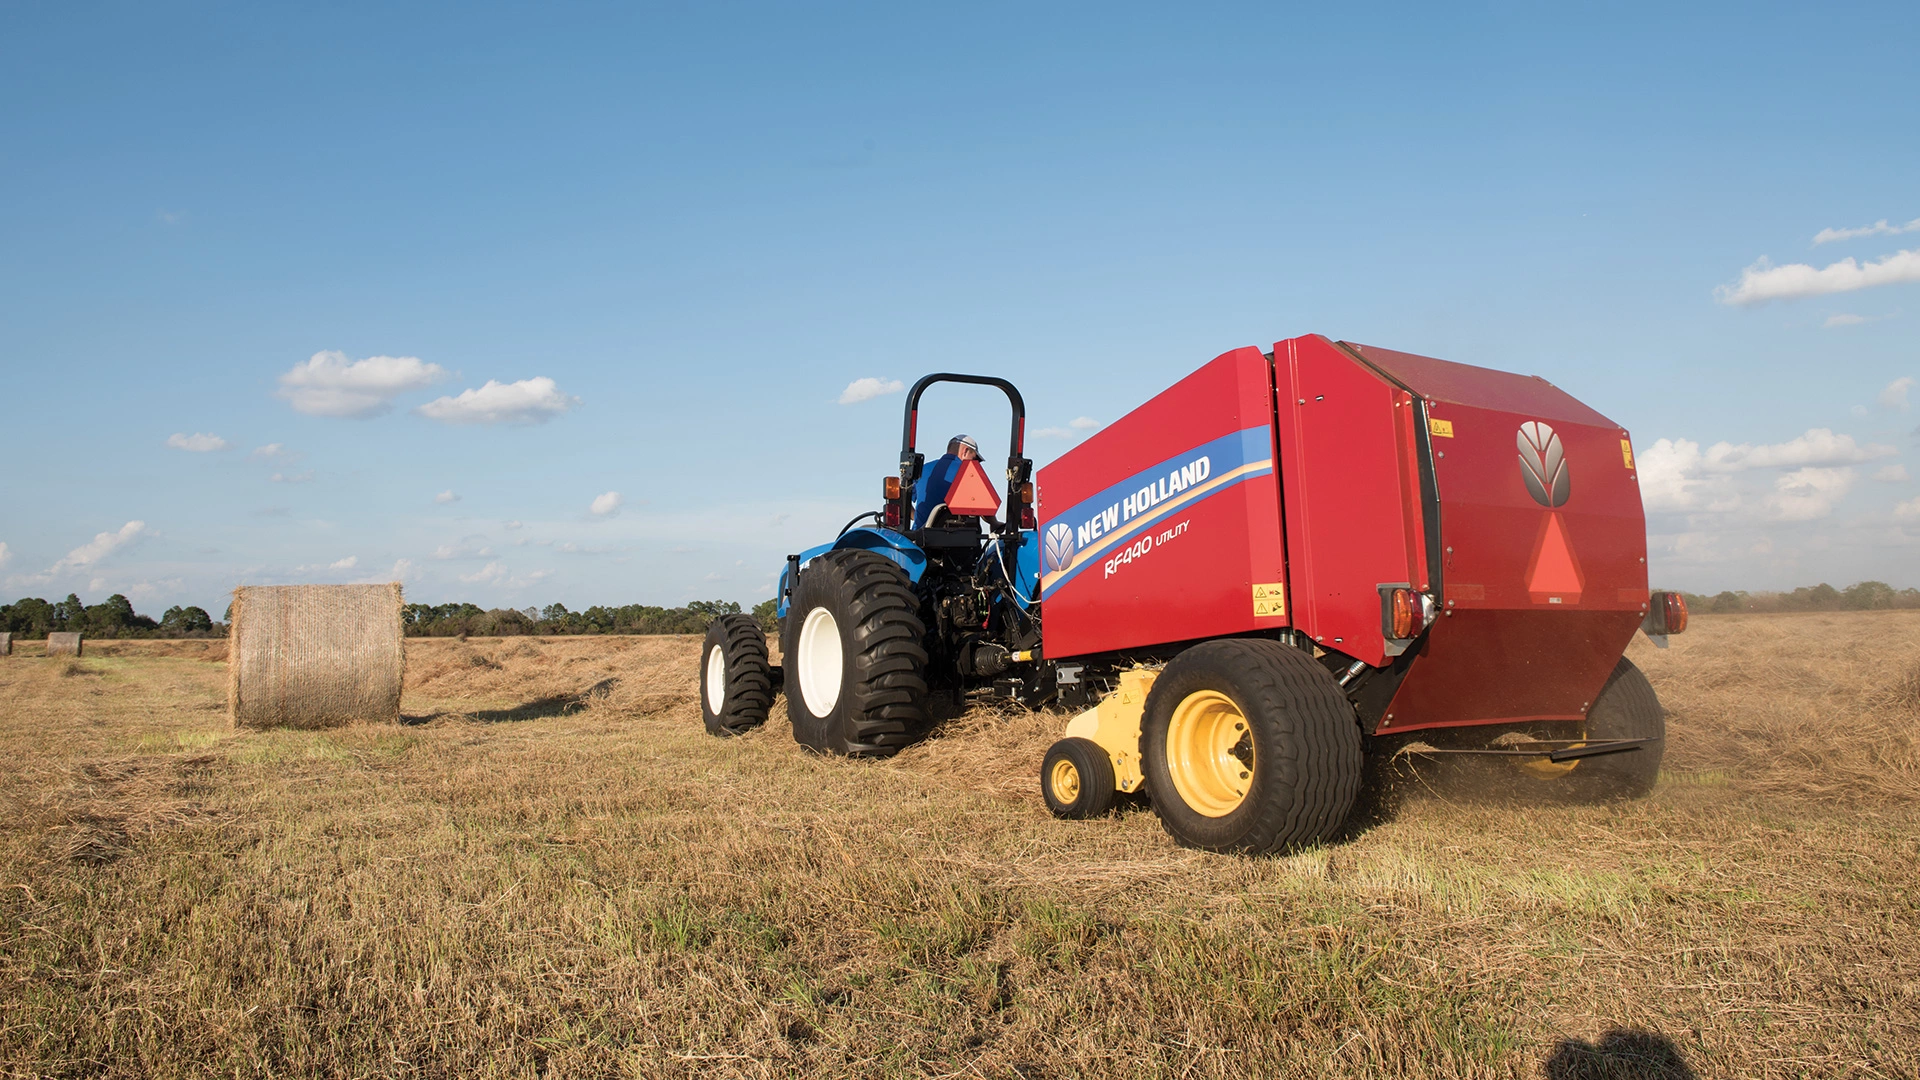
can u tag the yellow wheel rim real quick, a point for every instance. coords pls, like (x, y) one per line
(1210, 753)
(1551, 770)
(1065, 780)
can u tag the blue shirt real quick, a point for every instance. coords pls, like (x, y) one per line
(935, 481)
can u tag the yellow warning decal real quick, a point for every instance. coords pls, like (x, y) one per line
(1269, 600)
(1440, 428)
(1626, 451)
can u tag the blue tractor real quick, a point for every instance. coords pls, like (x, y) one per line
(889, 619)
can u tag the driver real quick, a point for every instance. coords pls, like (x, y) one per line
(939, 476)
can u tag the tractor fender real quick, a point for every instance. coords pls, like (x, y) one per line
(884, 541)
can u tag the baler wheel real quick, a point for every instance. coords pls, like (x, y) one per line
(736, 681)
(1627, 708)
(855, 666)
(1249, 746)
(1076, 779)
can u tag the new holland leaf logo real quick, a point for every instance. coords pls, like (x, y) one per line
(1543, 464)
(1060, 545)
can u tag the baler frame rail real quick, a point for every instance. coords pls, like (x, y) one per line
(1567, 749)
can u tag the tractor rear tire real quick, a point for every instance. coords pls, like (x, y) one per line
(855, 666)
(1627, 708)
(1249, 747)
(736, 681)
(1076, 779)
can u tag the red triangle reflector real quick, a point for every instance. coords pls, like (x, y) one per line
(972, 492)
(1554, 576)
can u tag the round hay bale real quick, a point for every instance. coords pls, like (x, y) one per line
(314, 656)
(6, 643)
(63, 644)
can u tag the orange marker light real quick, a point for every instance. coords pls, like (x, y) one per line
(1406, 613)
(1676, 612)
(890, 488)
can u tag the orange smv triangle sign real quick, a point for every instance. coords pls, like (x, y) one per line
(1554, 577)
(972, 492)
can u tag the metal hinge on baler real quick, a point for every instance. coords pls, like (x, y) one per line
(1114, 725)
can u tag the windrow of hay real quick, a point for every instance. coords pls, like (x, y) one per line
(315, 656)
(63, 644)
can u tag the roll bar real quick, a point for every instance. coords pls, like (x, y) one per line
(1019, 468)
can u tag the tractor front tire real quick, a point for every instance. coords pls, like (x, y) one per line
(736, 681)
(855, 666)
(1627, 708)
(1249, 747)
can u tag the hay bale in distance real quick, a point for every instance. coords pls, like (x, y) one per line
(6, 643)
(314, 656)
(63, 644)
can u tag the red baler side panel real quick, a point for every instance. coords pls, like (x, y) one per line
(1160, 527)
(1354, 520)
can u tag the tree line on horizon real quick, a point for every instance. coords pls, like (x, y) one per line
(30, 617)
(1860, 596)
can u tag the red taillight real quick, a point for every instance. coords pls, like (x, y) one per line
(1406, 613)
(1666, 614)
(1027, 520)
(890, 489)
(1675, 607)
(890, 517)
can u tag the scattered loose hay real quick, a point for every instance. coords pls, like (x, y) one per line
(63, 644)
(315, 656)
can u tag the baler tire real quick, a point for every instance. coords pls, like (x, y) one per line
(1305, 741)
(1091, 787)
(879, 704)
(735, 650)
(1627, 708)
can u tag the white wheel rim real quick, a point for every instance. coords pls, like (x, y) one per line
(716, 679)
(820, 662)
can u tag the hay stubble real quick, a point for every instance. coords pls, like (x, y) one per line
(550, 869)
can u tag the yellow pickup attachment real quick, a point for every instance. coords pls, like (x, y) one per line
(1115, 725)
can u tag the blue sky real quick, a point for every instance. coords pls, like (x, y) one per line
(306, 241)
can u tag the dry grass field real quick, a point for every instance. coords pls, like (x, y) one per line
(550, 870)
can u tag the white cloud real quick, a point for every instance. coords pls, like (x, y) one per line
(5, 555)
(493, 571)
(291, 478)
(1909, 510)
(1807, 494)
(529, 401)
(327, 384)
(101, 546)
(401, 568)
(1819, 446)
(1894, 394)
(1891, 474)
(271, 450)
(347, 563)
(1763, 281)
(1878, 228)
(1083, 423)
(463, 550)
(1676, 474)
(198, 442)
(446, 496)
(869, 388)
(1843, 320)
(607, 505)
